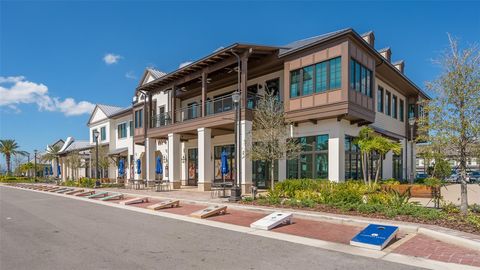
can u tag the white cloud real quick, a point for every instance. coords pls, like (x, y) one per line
(184, 64)
(111, 58)
(130, 75)
(17, 90)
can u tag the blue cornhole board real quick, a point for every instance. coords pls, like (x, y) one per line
(374, 236)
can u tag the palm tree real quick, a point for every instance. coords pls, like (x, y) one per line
(52, 153)
(9, 148)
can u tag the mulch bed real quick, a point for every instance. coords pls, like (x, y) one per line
(453, 221)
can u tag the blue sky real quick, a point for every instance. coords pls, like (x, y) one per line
(57, 48)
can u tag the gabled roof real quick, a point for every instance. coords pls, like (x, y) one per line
(72, 145)
(108, 110)
(153, 72)
(301, 44)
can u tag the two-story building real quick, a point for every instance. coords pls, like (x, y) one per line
(331, 85)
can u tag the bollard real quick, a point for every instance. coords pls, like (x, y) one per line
(254, 192)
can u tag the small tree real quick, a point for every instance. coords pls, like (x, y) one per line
(75, 162)
(269, 138)
(103, 159)
(371, 143)
(452, 119)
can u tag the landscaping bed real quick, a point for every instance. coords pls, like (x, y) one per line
(357, 199)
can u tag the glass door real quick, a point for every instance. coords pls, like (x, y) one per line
(192, 167)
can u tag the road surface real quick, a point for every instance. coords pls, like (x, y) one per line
(41, 231)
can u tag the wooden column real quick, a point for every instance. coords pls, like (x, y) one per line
(204, 93)
(243, 81)
(173, 105)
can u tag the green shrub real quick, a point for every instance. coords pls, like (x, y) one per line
(86, 182)
(474, 220)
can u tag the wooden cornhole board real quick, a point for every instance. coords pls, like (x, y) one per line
(210, 211)
(74, 191)
(97, 195)
(57, 190)
(164, 204)
(271, 221)
(135, 200)
(85, 193)
(65, 190)
(116, 196)
(53, 189)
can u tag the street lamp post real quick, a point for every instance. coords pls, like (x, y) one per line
(35, 165)
(236, 192)
(411, 123)
(95, 136)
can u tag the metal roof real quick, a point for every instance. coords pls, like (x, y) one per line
(301, 44)
(110, 110)
(72, 145)
(156, 73)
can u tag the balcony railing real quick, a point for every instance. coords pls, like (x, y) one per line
(193, 111)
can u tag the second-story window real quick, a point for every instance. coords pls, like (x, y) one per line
(361, 78)
(401, 110)
(139, 119)
(307, 80)
(380, 99)
(131, 128)
(316, 78)
(394, 107)
(295, 83)
(122, 130)
(103, 133)
(388, 100)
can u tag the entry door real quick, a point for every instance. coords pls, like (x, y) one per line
(192, 167)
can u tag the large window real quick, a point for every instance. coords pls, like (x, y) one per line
(103, 133)
(388, 102)
(360, 78)
(295, 83)
(397, 166)
(380, 99)
(316, 78)
(313, 160)
(401, 110)
(394, 107)
(131, 128)
(353, 162)
(122, 130)
(353, 169)
(138, 119)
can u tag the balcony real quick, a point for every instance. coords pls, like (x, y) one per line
(194, 111)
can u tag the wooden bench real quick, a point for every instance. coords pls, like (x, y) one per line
(135, 200)
(164, 204)
(210, 211)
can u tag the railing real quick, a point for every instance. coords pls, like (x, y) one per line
(161, 119)
(188, 113)
(215, 106)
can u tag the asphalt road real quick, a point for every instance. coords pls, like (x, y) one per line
(41, 231)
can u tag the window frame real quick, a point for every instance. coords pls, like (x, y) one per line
(381, 100)
(388, 103)
(120, 127)
(310, 152)
(395, 106)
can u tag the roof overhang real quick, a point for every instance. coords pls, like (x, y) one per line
(206, 64)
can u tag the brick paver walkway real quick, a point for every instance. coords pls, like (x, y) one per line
(426, 247)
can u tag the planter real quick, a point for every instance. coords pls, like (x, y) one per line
(417, 191)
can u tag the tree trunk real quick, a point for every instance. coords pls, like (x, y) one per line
(364, 171)
(377, 173)
(463, 161)
(272, 174)
(8, 160)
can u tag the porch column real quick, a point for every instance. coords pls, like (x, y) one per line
(244, 79)
(174, 159)
(336, 154)
(63, 170)
(245, 162)
(205, 164)
(150, 146)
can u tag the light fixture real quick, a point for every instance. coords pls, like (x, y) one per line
(95, 134)
(236, 97)
(411, 121)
